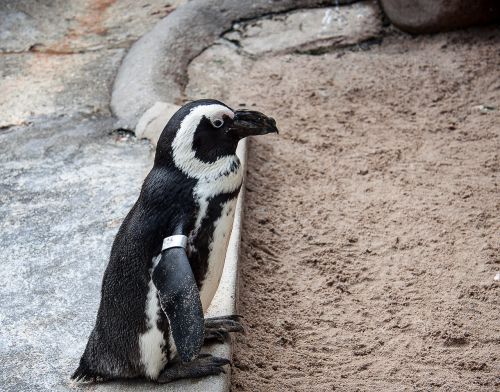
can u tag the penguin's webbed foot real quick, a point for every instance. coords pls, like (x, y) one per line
(203, 365)
(217, 329)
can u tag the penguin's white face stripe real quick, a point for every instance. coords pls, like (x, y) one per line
(182, 146)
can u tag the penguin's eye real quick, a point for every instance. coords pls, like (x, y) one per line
(218, 123)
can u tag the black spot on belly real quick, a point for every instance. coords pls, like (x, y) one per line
(198, 258)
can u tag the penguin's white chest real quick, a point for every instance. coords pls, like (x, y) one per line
(217, 252)
(205, 193)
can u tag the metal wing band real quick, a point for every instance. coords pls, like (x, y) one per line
(174, 241)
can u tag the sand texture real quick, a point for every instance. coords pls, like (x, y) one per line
(372, 224)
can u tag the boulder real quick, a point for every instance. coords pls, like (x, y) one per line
(308, 30)
(432, 16)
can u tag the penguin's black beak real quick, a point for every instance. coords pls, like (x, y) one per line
(249, 123)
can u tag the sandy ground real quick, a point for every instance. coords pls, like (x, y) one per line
(372, 222)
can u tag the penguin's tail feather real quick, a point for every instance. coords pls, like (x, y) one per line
(83, 373)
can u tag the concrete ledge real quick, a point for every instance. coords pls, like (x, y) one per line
(155, 68)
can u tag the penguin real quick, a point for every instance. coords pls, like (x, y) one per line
(168, 255)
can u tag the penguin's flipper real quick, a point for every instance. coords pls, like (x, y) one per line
(180, 300)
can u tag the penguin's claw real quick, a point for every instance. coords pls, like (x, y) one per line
(219, 335)
(232, 323)
(218, 328)
(204, 365)
(233, 317)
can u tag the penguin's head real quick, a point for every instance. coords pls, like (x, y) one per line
(207, 131)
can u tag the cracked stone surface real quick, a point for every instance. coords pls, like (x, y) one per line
(308, 30)
(65, 186)
(61, 56)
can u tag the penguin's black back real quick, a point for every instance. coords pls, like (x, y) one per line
(112, 350)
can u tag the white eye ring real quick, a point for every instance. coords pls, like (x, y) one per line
(218, 123)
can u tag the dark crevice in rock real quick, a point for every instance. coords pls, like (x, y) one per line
(40, 48)
(233, 42)
(269, 15)
(12, 127)
(122, 132)
(364, 45)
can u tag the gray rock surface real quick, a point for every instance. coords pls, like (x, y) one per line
(61, 56)
(309, 30)
(60, 26)
(171, 45)
(24, 24)
(65, 186)
(35, 84)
